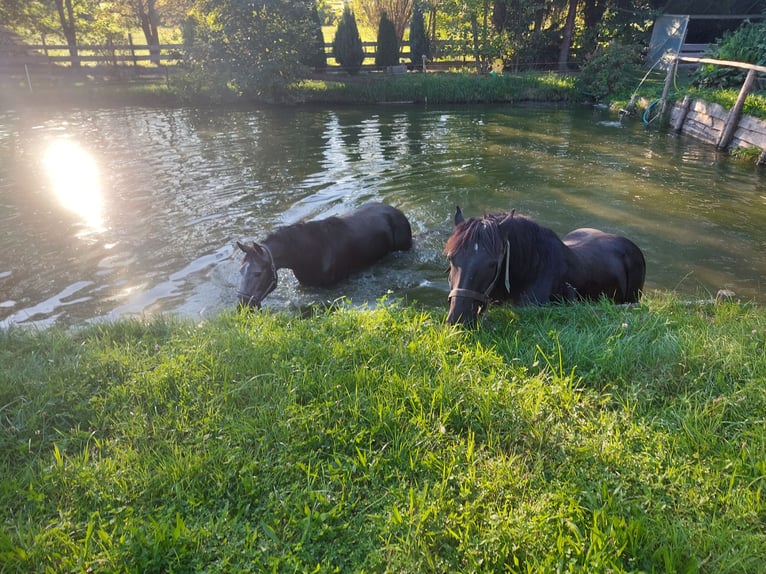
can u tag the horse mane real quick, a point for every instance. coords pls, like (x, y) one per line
(530, 245)
(484, 231)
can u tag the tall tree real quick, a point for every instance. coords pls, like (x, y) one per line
(347, 44)
(566, 40)
(419, 45)
(387, 49)
(65, 12)
(145, 11)
(398, 11)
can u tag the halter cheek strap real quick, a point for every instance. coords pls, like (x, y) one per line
(269, 288)
(484, 298)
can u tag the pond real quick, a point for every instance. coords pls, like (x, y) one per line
(135, 211)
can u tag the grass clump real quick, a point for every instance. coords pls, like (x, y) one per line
(587, 438)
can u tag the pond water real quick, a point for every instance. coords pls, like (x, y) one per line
(135, 211)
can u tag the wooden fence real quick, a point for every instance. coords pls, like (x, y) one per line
(130, 54)
(110, 54)
(732, 120)
(50, 58)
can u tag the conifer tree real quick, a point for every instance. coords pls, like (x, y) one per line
(347, 45)
(387, 53)
(316, 56)
(419, 44)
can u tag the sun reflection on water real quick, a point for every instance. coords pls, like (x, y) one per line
(75, 181)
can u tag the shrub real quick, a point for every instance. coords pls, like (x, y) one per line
(746, 44)
(347, 44)
(387, 53)
(611, 70)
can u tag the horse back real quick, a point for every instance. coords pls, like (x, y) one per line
(381, 220)
(345, 244)
(605, 264)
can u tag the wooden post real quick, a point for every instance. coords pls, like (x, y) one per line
(732, 120)
(666, 88)
(685, 105)
(29, 80)
(132, 49)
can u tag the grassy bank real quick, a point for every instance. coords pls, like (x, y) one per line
(330, 88)
(437, 88)
(586, 438)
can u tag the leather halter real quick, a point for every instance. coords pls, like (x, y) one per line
(484, 298)
(256, 300)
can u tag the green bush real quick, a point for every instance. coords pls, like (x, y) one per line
(611, 70)
(347, 44)
(387, 53)
(746, 44)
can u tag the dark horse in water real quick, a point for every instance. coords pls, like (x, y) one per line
(322, 253)
(508, 256)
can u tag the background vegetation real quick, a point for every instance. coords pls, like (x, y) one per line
(584, 438)
(255, 49)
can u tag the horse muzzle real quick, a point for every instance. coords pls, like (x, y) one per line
(246, 300)
(465, 306)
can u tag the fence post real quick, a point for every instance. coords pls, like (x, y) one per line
(132, 49)
(666, 88)
(732, 120)
(29, 80)
(685, 105)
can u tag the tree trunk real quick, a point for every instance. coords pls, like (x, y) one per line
(566, 41)
(149, 19)
(475, 34)
(66, 17)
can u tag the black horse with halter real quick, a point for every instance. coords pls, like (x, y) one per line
(255, 292)
(539, 267)
(323, 252)
(484, 297)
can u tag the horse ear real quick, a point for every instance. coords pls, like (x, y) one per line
(458, 216)
(253, 249)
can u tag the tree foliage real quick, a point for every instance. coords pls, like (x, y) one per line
(398, 11)
(254, 49)
(347, 44)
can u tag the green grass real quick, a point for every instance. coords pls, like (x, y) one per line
(585, 438)
(437, 88)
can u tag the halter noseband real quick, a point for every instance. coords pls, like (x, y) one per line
(483, 298)
(269, 288)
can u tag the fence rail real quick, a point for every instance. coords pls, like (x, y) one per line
(103, 54)
(17, 56)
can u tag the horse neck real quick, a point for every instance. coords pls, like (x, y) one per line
(290, 246)
(530, 244)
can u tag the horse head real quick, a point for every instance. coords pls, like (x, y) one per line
(259, 275)
(476, 252)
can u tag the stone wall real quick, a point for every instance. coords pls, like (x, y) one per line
(706, 121)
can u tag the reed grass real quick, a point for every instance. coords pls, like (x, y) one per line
(437, 88)
(583, 438)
